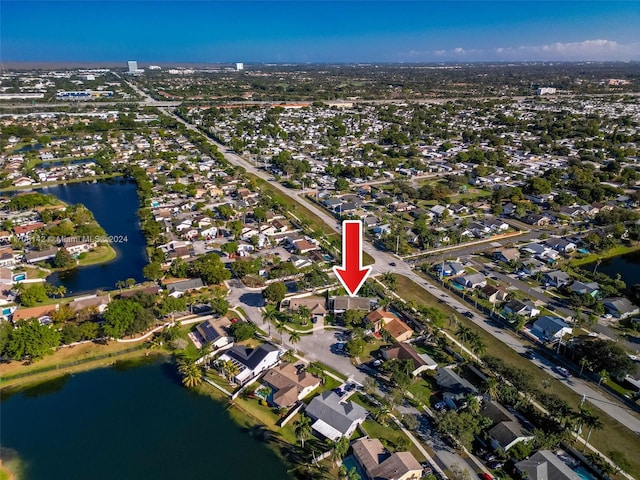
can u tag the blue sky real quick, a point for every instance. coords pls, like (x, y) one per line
(309, 31)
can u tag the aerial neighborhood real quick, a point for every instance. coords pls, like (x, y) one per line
(195, 214)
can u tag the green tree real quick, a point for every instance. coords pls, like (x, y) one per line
(464, 334)
(31, 340)
(190, 372)
(354, 347)
(210, 269)
(275, 292)
(341, 185)
(242, 330)
(219, 306)
(32, 295)
(152, 271)
(119, 317)
(302, 428)
(63, 259)
(294, 337)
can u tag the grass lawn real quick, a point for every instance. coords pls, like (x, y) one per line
(64, 356)
(613, 434)
(100, 254)
(392, 434)
(299, 210)
(33, 272)
(612, 252)
(421, 390)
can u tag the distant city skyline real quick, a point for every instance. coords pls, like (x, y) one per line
(352, 32)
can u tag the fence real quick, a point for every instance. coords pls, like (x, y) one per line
(71, 364)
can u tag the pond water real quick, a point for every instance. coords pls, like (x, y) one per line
(129, 423)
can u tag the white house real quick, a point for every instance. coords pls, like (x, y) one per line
(251, 361)
(551, 327)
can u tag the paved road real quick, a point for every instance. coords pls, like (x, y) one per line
(382, 260)
(620, 412)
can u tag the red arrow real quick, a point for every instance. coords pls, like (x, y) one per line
(352, 275)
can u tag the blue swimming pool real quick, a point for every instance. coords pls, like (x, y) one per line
(351, 462)
(583, 473)
(457, 287)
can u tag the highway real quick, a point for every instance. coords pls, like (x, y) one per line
(382, 260)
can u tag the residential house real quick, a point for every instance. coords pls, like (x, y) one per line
(379, 464)
(405, 351)
(7, 257)
(5, 237)
(41, 255)
(314, 304)
(6, 276)
(334, 418)
(211, 332)
(472, 280)
(290, 383)
(560, 245)
(581, 288)
(339, 305)
(620, 307)
(455, 388)
(99, 302)
(506, 430)
(525, 309)
(551, 328)
(447, 269)
(76, 247)
(557, 278)
(536, 220)
(494, 294)
(506, 255)
(304, 246)
(545, 465)
(177, 289)
(42, 313)
(381, 319)
(251, 361)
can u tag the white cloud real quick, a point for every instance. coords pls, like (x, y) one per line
(598, 50)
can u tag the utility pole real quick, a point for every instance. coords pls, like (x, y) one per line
(397, 244)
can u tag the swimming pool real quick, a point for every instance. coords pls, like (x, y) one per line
(583, 473)
(457, 287)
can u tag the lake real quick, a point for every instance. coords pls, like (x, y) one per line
(136, 423)
(628, 266)
(114, 204)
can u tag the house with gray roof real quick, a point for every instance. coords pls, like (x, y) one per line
(472, 280)
(551, 328)
(455, 388)
(334, 418)
(251, 361)
(581, 288)
(177, 289)
(557, 278)
(212, 332)
(620, 307)
(544, 465)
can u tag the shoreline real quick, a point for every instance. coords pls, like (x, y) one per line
(611, 253)
(240, 417)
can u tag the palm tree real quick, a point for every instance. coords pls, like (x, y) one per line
(120, 284)
(305, 314)
(381, 414)
(491, 388)
(303, 429)
(464, 334)
(584, 362)
(604, 376)
(191, 373)
(477, 345)
(294, 337)
(270, 313)
(349, 474)
(592, 421)
(229, 369)
(339, 449)
(280, 328)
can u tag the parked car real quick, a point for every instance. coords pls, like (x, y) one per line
(495, 464)
(530, 355)
(234, 320)
(393, 264)
(349, 386)
(485, 476)
(468, 314)
(563, 371)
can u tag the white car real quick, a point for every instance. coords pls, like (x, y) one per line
(563, 371)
